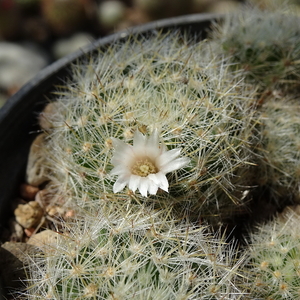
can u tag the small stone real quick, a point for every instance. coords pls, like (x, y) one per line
(110, 13)
(43, 238)
(18, 65)
(69, 214)
(37, 171)
(55, 210)
(64, 47)
(29, 215)
(28, 192)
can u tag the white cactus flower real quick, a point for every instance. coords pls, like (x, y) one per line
(144, 164)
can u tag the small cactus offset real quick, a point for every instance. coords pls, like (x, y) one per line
(263, 43)
(135, 255)
(156, 119)
(279, 152)
(274, 263)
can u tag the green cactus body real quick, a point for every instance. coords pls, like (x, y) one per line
(275, 259)
(167, 84)
(137, 256)
(263, 43)
(279, 152)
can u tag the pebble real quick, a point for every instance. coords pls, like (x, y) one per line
(64, 47)
(43, 238)
(110, 13)
(54, 210)
(36, 170)
(29, 215)
(28, 192)
(18, 65)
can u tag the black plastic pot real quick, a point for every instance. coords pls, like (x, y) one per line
(18, 117)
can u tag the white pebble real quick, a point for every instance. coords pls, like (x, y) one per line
(66, 46)
(18, 65)
(110, 13)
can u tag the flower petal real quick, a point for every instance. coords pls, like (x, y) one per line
(118, 144)
(152, 188)
(139, 140)
(123, 155)
(167, 157)
(144, 149)
(175, 165)
(134, 182)
(118, 170)
(152, 145)
(120, 184)
(153, 139)
(161, 180)
(143, 186)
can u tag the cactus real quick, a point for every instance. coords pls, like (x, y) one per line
(279, 152)
(166, 90)
(153, 137)
(134, 255)
(274, 259)
(263, 43)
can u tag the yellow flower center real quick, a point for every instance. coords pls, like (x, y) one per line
(144, 167)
